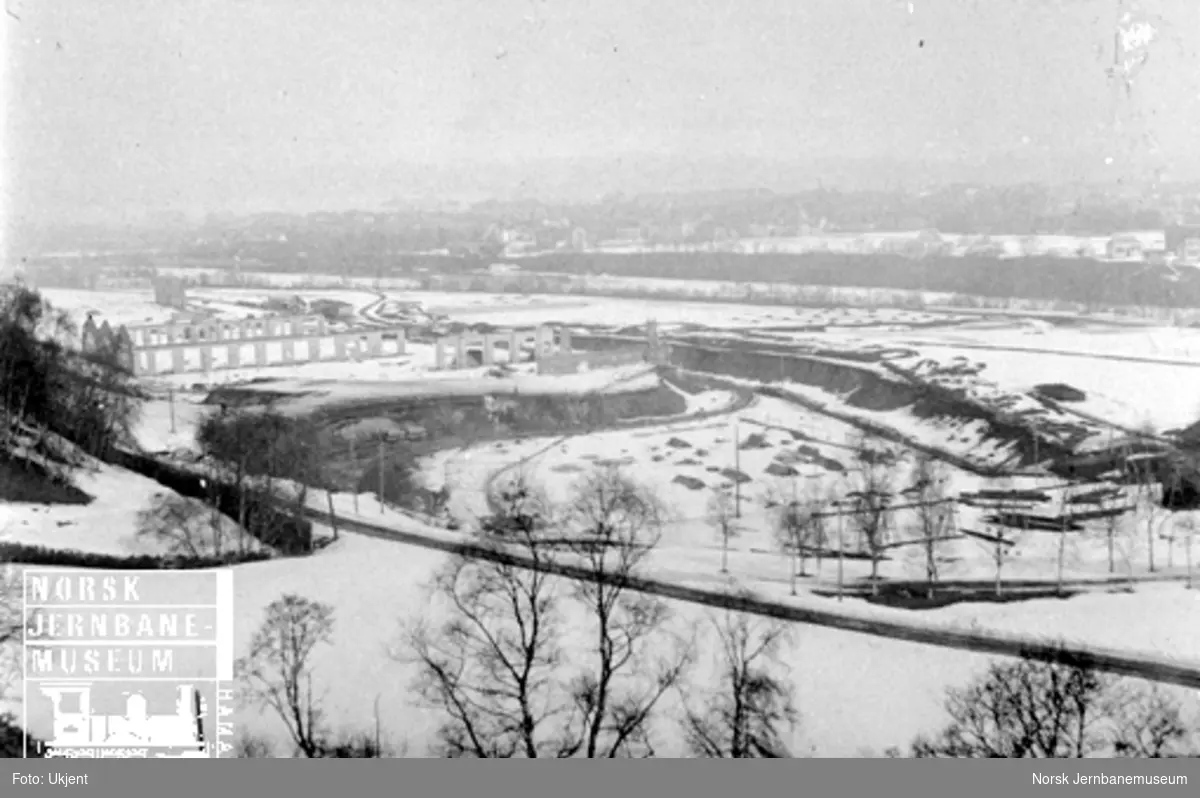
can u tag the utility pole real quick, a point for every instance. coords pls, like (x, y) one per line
(171, 400)
(737, 468)
(381, 455)
(354, 466)
(378, 754)
(841, 550)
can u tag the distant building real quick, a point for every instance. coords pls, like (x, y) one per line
(1150, 240)
(1125, 247)
(579, 239)
(170, 292)
(1184, 241)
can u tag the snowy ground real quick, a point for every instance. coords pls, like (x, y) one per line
(110, 523)
(518, 310)
(1132, 394)
(857, 693)
(699, 451)
(115, 307)
(311, 394)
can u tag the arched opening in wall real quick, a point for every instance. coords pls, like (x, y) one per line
(502, 352)
(389, 343)
(472, 359)
(187, 333)
(202, 334)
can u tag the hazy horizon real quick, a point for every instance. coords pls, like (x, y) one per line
(127, 107)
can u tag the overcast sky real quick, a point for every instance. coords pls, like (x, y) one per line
(114, 105)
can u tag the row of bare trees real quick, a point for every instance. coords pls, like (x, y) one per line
(504, 689)
(518, 663)
(1038, 710)
(815, 520)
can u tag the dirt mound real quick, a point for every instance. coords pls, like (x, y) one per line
(615, 461)
(1059, 392)
(733, 475)
(689, 482)
(777, 469)
(678, 443)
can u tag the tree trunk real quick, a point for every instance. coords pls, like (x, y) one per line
(332, 513)
(792, 569)
(1150, 542)
(820, 557)
(241, 489)
(999, 568)
(1062, 549)
(1188, 554)
(930, 568)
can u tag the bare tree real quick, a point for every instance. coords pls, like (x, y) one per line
(183, 526)
(1146, 723)
(871, 500)
(800, 524)
(745, 715)
(1112, 527)
(722, 514)
(491, 667)
(251, 746)
(1032, 709)
(277, 673)
(934, 512)
(1127, 542)
(1188, 527)
(1148, 493)
(1027, 709)
(358, 745)
(634, 661)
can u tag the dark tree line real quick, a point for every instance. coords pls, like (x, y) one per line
(47, 386)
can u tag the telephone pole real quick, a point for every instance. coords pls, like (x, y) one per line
(381, 456)
(737, 469)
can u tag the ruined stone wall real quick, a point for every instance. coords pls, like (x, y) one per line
(455, 351)
(212, 345)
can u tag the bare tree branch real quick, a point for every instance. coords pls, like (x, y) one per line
(277, 673)
(492, 666)
(634, 662)
(745, 715)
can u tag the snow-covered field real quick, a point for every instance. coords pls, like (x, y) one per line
(115, 307)
(684, 463)
(1132, 394)
(517, 310)
(110, 524)
(856, 693)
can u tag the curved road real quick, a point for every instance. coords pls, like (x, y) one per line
(1142, 666)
